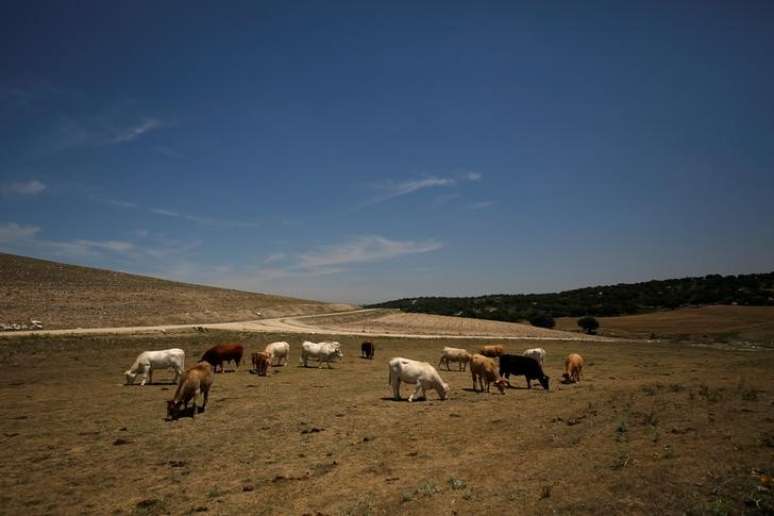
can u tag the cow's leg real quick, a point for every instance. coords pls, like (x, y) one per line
(419, 393)
(529, 382)
(205, 397)
(395, 387)
(144, 372)
(150, 374)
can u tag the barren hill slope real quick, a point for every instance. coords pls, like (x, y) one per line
(70, 296)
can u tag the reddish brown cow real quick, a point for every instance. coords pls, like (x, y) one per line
(221, 353)
(492, 351)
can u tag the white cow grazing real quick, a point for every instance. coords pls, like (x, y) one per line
(420, 373)
(279, 352)
(537, 353)
(147, 361)
(321, 351)
(461, 356)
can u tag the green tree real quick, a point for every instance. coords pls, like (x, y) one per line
(588, 324)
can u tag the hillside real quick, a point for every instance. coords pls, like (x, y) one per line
(716, 323)
(612, 300)
(70, 296)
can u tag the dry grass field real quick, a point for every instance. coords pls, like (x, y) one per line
(652, 428)
(395, 322)
(718, 323)
(69, 296)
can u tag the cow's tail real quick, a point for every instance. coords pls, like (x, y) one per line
(389, 375)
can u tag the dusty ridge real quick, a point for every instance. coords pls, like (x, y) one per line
(71, 296)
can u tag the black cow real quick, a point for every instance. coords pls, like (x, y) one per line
(367, 350)
(520, 365)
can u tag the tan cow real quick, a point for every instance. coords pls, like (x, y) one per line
(484, 370)
(573, 365)
(196, 380)
(492, 351)
(261, 362)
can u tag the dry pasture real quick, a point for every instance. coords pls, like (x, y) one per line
(651, 428)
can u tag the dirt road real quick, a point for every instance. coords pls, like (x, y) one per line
(316, 325)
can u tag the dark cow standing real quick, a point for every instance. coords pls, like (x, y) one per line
(221, 353)
(519, 365)
(367, 350)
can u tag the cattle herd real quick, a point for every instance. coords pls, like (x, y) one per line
(197, 380)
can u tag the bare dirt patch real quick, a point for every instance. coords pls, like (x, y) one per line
(652, 429)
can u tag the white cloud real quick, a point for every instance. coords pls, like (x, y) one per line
(481, 205)
(31, 187)
(10, 232)
(473, 176)
(167, 213)
(276, 257)
(392, 189)
(364, 249)
(132, 132)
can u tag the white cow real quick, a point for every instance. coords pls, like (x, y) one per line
(321, 351)
(147, 361)
(461, 356)
(279, 352)
(420, 373)
(537, 353)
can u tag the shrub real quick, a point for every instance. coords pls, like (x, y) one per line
(542, 321)
(588, 324)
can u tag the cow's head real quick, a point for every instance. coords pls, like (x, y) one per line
(130, 377)
(339, 353)
(501, 383)
(544, 381)
(173, 408)
(443, 390)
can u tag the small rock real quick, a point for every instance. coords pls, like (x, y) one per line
(119, 442)
(248, 487)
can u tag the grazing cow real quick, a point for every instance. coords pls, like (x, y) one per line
(573, 365)
(279, 353)
(216, 356)
(519, 365)
(485, 370)
(367, 350)
(459, 355)
(420, 373)
(491, 351)
(321, 351)
(261, 362)
(197, 380)
(537, 353)
(147, 361)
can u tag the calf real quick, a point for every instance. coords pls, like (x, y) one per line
(279, 352)
(221, 353)
(573, 365)
(147, 361)
(537, 353)
(367, 350)
(459, 355)
(261, 362)
(420, 373)
(519, 365)
(491, 351)
(197, 380)
(485, 370)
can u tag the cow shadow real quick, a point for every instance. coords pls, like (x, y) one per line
(403, 399)
(187, 412)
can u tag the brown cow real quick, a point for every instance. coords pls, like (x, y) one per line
(196, 380)
(261, 362)
(573, 365)
(492, 351)
(221, 353)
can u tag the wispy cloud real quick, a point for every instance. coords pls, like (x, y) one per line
(273, 258)
(132, 132)
(393, 189)
(120, 204)
(363, 250)
(10, 231)
(31, 187)
(166, 213)
(482, 205)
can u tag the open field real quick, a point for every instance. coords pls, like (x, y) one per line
(69, 296)
(653, 428)
(723, 323)
(396, 322)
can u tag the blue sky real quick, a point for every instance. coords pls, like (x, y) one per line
(365, 151)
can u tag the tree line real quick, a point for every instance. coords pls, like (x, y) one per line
(601, 301)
